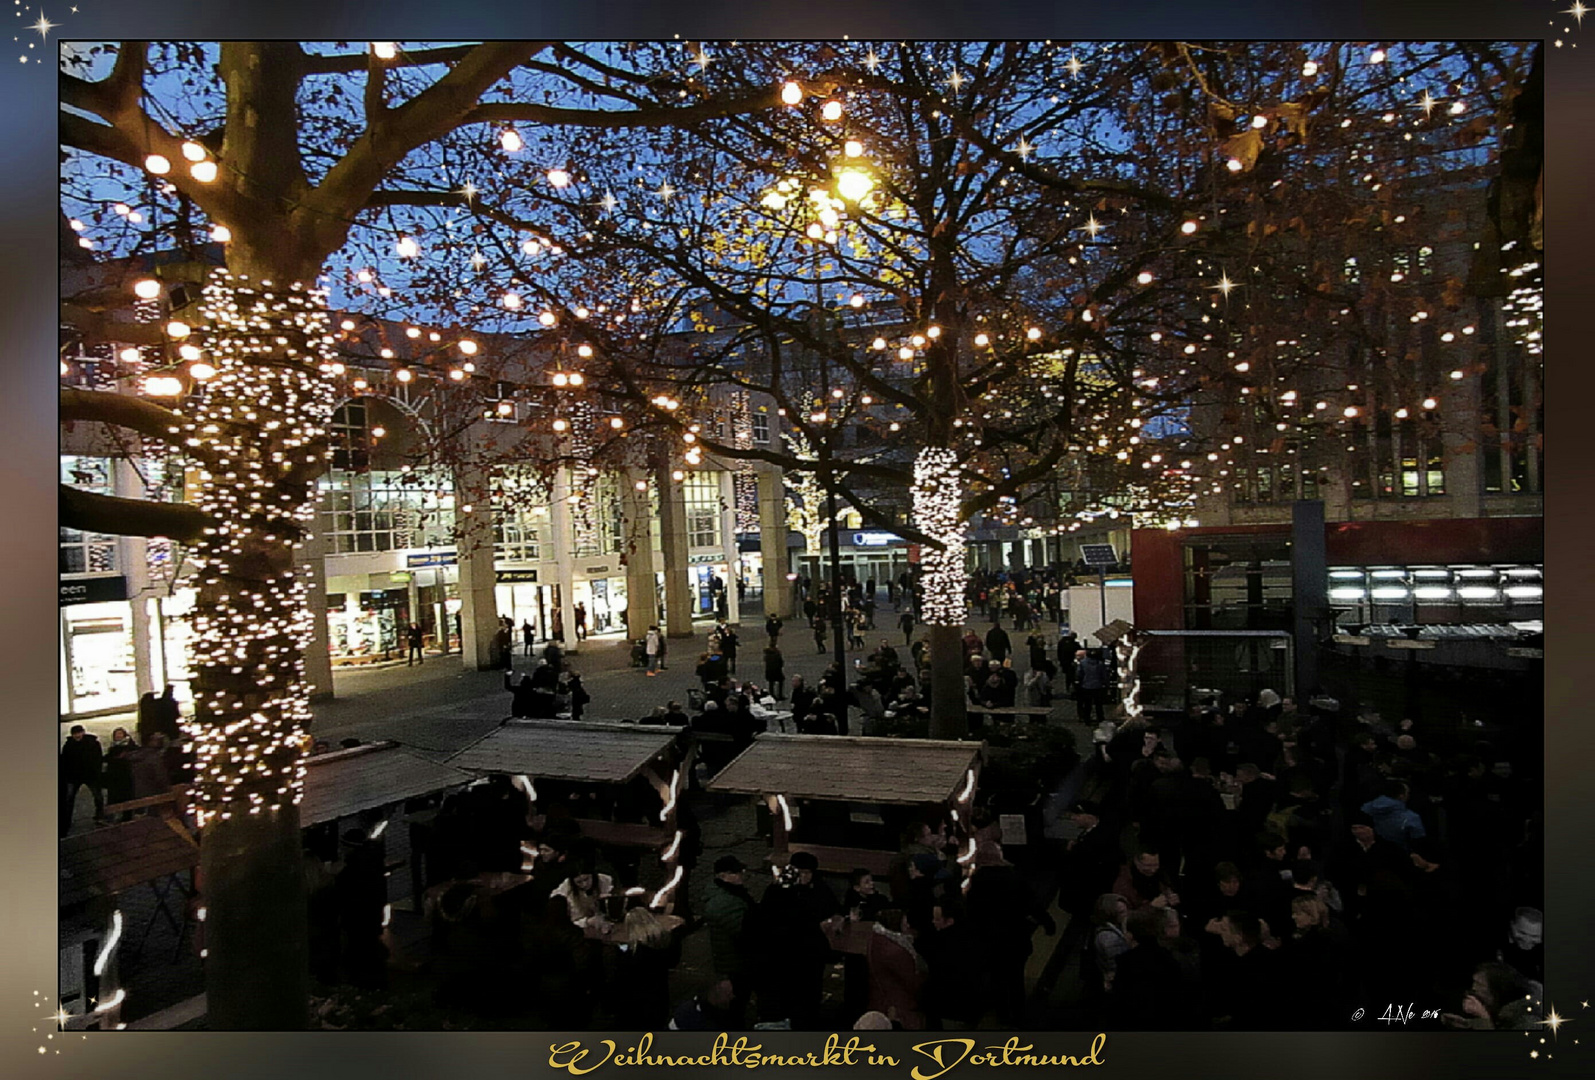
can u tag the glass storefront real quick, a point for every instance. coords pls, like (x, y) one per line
(98, 663)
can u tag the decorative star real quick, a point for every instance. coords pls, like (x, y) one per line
(667, 192)
(1577, 11)
(609, 202)
(1553, 1021)
(43, 26)
(703, 59)
(1074, 65)
(1092, 226)
(872, 61)
(1427, 103)
(1225, 285)
(468, 189)
(478, 260)
(1024, 149)
(957, 80)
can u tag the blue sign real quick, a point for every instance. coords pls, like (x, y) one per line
(875, 539)
(431, 558)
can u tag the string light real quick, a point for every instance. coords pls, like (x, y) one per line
(936, 495)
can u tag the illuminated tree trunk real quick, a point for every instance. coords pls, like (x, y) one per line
(942, 585)
(259, 430)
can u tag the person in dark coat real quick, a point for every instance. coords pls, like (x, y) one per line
(579, 697)
(503, 649)
(414, 638)
(553, 655)
(1091, 686)
(1005, 912)
(118, 770)
(955, 993)
(81, 763)
(775, 670)
(521, 695)
(772, 627)
(998, 644)
(728, 647)
(795, 945)
(527, 635)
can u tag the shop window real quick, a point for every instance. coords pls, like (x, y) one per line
(81, 552)
(702, 491)
(386, 511)
(761, 427)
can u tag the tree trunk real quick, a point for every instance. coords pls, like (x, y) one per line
(942, 582)
(949, 717)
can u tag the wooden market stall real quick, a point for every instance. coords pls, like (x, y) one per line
(851, 775)
(591, 755)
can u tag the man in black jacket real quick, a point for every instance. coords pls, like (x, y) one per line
(955, 988)
(81, 763)
(997, 644)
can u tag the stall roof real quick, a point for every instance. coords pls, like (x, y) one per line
(110, 860)
(345, 782)
(846, 769)
(567, 750)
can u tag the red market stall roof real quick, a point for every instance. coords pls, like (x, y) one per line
(568, 750)
(849, 769)
(345, 782)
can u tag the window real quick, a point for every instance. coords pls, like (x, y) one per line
(1238, 583)
(386, 511)
(703, 509)
(81, 552)
(761, 426)
(520, 511)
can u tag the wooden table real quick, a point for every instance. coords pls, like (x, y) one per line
(617, 934)
(1038, 712)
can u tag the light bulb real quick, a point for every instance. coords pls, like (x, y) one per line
(560, 378)
(202, 371)
(584, 351)
(878, 344)
(511, 300)
(408, 248)
(791, 93)
(559, 178)
(1188, 228)
(1034, 333)
(147, 289)
(221, 234)
(193, 151)
(1259, 121)
(547, 318)
(853, 148)
(177, 329)
(404, 375)
(856, 300)
(203, 171)
(854, 184)
(617, 423)
(982, 340)
(1234, 165)
(188, 352)
(510, 140)
(468, 347)
(384, 50)
(831, 110)
(560, 425)
(157, 164)
(1144, 277)
(129, 356)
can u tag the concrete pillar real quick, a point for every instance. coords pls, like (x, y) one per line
(318, 654)
(133, 558)
(1461, 444)
(674, 548)
(642, 605)
(778, 591)
(478, 605)
(728, 539)
(564, 557)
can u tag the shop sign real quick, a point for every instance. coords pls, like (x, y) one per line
(706, 558)
(508, 577)
(94, 590)
(601, 570)
(400, 577)
(875, 539)
(913, 553)
(431, 558)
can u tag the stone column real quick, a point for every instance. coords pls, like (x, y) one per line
(133, 558)
(772, 545)
(1461, 443)
(673, 547)
(478, 605)
(641, 600)
(728, 539)
(564, 557)
(318, 654)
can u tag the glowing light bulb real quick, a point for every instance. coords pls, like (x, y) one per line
(584, 351)
(547, 318)
(147, 289)
(617, 423)
(1144, 277)
(193, 151)
(791, 93)
(157, 164)
(221, 234)
(559, 178)
(1376, 57)
(905, 353)
(1234, 165)
(188, 352)
(1259, 121)
(560, 425)
(1349, 411)
(560, 378)
(378, 432)
(853, 148)
(982, 340)
(202, 371)
(468, 347)
(511, 300)
(1188, 228)
(177, 329)
(854, 184)
(129, 356)
(510, 140)
(203, 171)
(384, 50)
(831, 110)
(408, 248)
(879, 344)
(856, 300)
(1034, 333)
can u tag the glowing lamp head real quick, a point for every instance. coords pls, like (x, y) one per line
(221, 234)
(584, 351)
(147, 289)
(177, 329)
(982, 340)
(576, 378)
(468, 347)
(561, 425)
(407, 247)
(856, 300)
(384, 50)
(559, 178)
(203, 171)
(512, 301)
(547, 318)
(1188, 228)
(791, 93)
(188, 352)
(831, 110)
(157, 164)
(854, 184)
(1144, 277)
(404, 375)
(905, 353)
(1033, 334)
(853, 148)
(193, 151)
(617, 423)
(561, 379)
(510, 140)
(201, 371)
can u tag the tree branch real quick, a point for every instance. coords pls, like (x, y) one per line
(115, 516)
(123, 410)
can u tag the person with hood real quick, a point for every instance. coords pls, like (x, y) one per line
(1392, 820)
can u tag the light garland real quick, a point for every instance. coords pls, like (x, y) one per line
(943, 578)
(259, 433)
(1128, 651)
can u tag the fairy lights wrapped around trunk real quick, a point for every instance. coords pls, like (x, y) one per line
(259, 432)
(1128, 651)
(936, 497)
